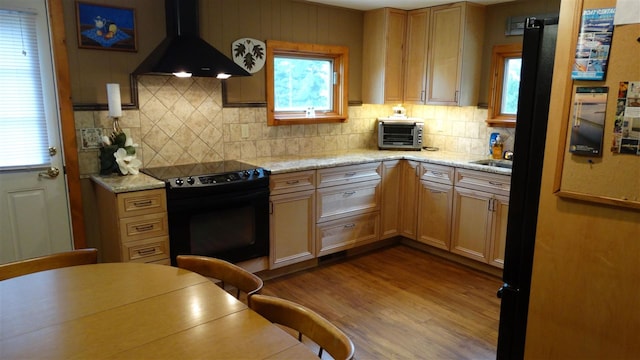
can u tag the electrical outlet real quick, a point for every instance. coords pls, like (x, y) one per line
(244, 130)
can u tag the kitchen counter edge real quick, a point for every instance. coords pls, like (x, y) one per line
(286, 164)
(127, 183)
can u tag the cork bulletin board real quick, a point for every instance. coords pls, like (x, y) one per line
(611, 176)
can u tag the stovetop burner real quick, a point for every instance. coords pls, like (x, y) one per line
(207, 174)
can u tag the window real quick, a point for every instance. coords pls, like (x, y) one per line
(306, 83)
(23, 128)
(505, 85)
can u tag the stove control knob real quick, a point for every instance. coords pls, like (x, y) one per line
(191, 180)
(245, 173)
(256, 172)
(179, 182)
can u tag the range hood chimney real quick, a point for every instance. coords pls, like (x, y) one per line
(183, 53)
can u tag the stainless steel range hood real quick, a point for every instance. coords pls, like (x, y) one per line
(183, 52)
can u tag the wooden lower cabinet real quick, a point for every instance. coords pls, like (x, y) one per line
(480, 211)
(292, 218)
(472, 224)
(409, 182)
(499, 230)
(133, 226)
(390, 206)
(434, 214)
(347, 232)
(292, 228)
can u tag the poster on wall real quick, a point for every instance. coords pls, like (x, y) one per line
(626, 128)
(587, 131)
(594, 43)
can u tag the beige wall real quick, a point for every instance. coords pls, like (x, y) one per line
(91, 70)
(586, 279)
(496, 22)
(221, 23)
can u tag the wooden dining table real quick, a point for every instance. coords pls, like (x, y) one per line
(133, 311)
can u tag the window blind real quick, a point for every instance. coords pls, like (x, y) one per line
(23, 127)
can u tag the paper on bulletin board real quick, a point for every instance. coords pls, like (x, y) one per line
(589, 110)
(627, 12)
(594, 44)
(626, 129)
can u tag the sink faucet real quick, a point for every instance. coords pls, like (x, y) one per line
(508, 155)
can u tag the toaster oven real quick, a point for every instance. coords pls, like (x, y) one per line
(400, 134)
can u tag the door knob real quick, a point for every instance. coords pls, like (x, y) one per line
(51, 173)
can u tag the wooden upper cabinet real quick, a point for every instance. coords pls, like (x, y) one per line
(415, 66)
(455, 54)
(383, 56)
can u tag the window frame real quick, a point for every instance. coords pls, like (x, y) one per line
(340, 57)
(499, 56)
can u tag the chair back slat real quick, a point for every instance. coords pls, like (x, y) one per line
(306, 321)
(48, 262)
(222, 270)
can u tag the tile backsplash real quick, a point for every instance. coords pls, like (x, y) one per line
(182, 121)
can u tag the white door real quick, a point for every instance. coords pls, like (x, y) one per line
(34, 207)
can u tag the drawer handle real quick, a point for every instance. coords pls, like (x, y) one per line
(142, 203)
(349, 226)
(148, 251)
(144, 227)
(495, 183)
(291, 182)
(436, 191)
(437, 173)
(348, 193)
(349, 174)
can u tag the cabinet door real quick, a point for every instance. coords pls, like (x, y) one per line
(471, 223)
(409, 201)
(390, 203)
(434, 214)
(393, 75)
(383, 50)
(415, 68)
(445, 46)
(292, 228)
(499, 230)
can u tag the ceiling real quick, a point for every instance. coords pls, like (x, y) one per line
(398, 4)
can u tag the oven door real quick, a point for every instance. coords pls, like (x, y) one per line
(233, 226)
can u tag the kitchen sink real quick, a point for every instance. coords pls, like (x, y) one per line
(495, 163)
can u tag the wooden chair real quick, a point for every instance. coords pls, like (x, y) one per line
(306, 322)
(48, 262)
(224, 271)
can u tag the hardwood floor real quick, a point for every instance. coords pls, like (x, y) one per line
(401, 303)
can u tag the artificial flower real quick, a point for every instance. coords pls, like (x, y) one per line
(128, 164)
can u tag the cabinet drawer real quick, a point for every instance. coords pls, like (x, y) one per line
(347, 232)
(337, 201)
(147, 250)
(141, 202)
(290, 182)
(341, 175)
(143, 227)
(437, 173)
(479, 180)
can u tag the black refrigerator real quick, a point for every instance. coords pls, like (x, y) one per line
(538, 51)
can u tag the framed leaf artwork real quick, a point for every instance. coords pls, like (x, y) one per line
(249, 54)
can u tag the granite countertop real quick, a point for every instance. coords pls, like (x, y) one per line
(120, 184)
(285, 164)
